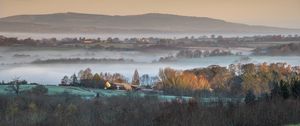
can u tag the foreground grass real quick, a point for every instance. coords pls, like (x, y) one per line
(69, 110)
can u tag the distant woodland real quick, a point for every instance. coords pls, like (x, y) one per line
(292, 49)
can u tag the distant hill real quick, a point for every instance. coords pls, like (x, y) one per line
(146, 23)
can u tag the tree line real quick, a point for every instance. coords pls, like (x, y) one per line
(85, 78)
(232, 80)
(195, 54)
(82, 60)
(279, 50)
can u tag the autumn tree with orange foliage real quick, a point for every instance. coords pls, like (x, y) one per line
(239, 78)
(171, 78)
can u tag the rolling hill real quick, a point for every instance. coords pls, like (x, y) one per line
(145, 23)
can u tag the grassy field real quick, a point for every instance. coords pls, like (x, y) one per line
(89, 92)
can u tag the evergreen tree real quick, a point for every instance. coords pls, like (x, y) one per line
(250, 97)
(136, 78)
(275, 92)
(145, 79)
(74, 80)
(296, 88)
(284, 90)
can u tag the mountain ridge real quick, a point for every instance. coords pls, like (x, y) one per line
(143, 23)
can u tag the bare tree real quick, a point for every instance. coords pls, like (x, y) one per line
(15, 86)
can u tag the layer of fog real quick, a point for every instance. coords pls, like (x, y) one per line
(16, 62)
(21, 55)
(52, 73)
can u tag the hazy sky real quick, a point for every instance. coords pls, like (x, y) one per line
(281, 13)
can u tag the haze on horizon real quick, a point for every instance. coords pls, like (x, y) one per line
(279, 13)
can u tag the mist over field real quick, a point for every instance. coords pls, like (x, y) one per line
(17, 62)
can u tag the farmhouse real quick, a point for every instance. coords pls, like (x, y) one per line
(121, 86)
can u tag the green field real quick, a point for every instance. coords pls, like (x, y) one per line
(89, 92)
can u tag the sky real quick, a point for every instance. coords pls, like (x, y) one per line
(279, 13)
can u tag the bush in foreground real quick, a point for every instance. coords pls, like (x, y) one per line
(67, 110)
